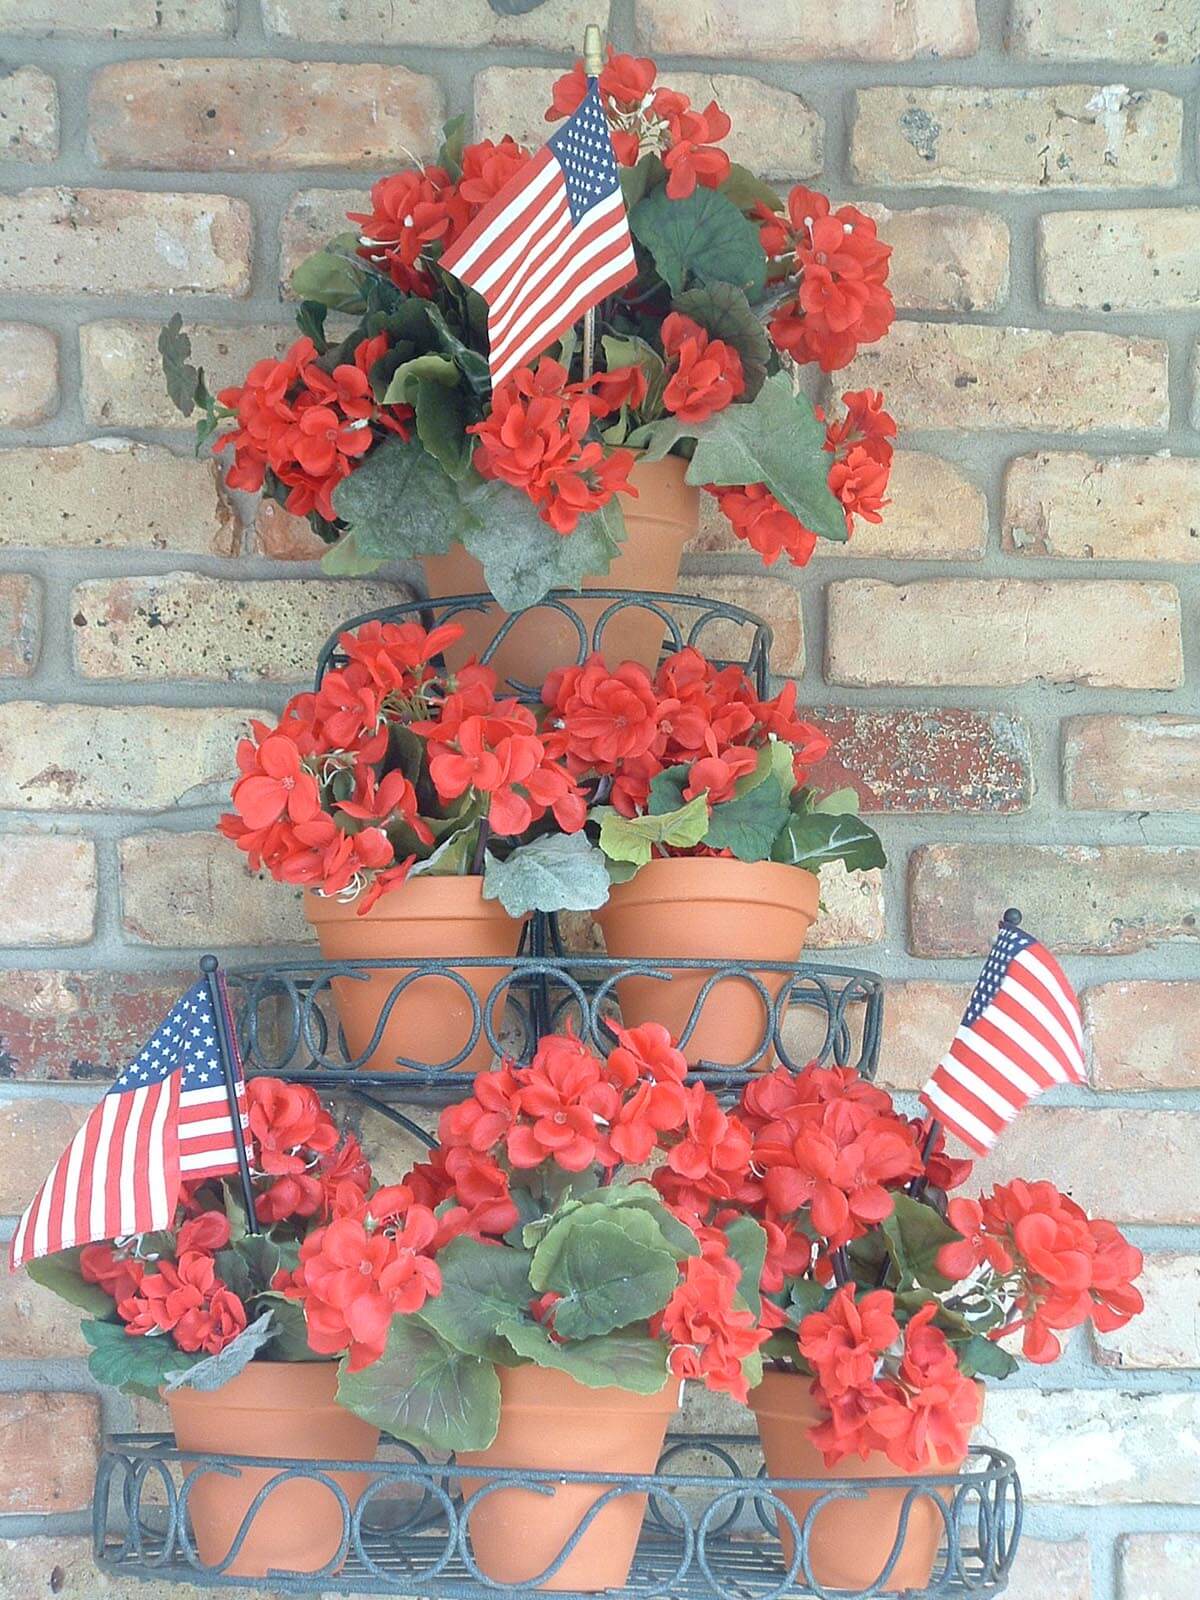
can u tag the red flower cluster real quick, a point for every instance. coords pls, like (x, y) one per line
(183, 1297)
(644, 120)
(534, 439)
(307, 426)
(627, 727)
(300, 1151)
(710, 1335)
(704, 374)
(841, 267)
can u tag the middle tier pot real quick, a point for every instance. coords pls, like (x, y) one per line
(431, 1020)
(710, 908)
(659, 521)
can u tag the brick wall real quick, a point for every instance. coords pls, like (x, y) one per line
(1009, 660)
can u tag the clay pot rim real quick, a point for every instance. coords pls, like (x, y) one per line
(716, 878)
(429, 895)
(263, 1383)
(552, 1390)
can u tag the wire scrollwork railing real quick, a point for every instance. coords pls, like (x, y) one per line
(707, 1535)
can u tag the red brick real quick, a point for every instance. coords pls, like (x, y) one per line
(47, 889)
(80, 1026)
(312, 217)
(1127, 763)
(193, 891)
(35, 1324)
(919, 1021)
(1046, 1569)
(1105, 900)
(926, 761)
(283, 537)
(1144, 1034)
(28, 374)
(20, 623)
(49, 1445)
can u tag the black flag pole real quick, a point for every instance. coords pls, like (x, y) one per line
(231, 1069)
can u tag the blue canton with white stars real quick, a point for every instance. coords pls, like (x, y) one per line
(584, 151)
(1009, 943)
(187, 1040)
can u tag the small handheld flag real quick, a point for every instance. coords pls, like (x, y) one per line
(1021, 1034)
(166, 1120)
(551, 244)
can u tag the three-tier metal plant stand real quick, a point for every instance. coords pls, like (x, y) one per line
(711, 1530)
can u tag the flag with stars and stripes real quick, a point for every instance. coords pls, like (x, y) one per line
(165, 1121)
(1021, 1034)
(551, 244)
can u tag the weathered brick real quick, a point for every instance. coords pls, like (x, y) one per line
(985, 631)
(1161, 31)
(1098, 1446)
(1097, 900)
(33, 1134)
(28, 374)
(20, 624)
(34, 1325)
(775, 132)
(1128, 763)
(851, 911)
(312, 217)
(1158, 1566)
(773, 599)
(182, 625)
(919, 1020)
(129, 19)
(935, 513)
(1049, 1569)
(47, 889)
(794, 30)
(193, 891)
(1071, 136)
(553, 25)
(1143, 1034)
(938, 760)
(49, 1445)
(122, 376)
(225, 115)
(945, 258)
(115, 758)
(114, 494)
(122, 241)
(1120, 260)
(28, 115)
(283, 537)
(947, 375)
(1167, 1333)
(1079, 507)
(80, 1026)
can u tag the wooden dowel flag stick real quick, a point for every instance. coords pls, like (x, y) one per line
(593, 65)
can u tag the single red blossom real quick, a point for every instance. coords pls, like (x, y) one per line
(705, 374)
(116, 1271)
(768, 527)
(487, 167)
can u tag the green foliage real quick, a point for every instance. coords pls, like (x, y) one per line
(558, 872)
(482, 1288)
(399, 503)
(310, 319)
(703, 239)
(810, 839)
(724, 311)
(750, 823)
(747, 191)
(630, 1361)
(450, 152)
(60, 1273)
(914, 1234)
(289, 1331)
(637, 181)
(983, 1358)
(185, 383)
(522, 556)
(213, 1372)
(748, 1247)
(632, 838)
(612, 1267)
(675, 1236)
(346, 560)
(332, 277)
(135, 1366)
(425, 1391)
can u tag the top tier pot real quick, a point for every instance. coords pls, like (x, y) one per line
(659, 522)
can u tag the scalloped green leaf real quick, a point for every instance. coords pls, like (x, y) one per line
(750, 823)
(483, 1286)
(915, 1233)
(703, 239)
(748, 1247)
(425, 1391)
(522, 556)
(135, 1365)
(633, 838)
(331, 276)
(810, 839)
(60, 1274)
(631, 1361)
(399, 503)
(723, 310)
(558, 872)
(611, 1269)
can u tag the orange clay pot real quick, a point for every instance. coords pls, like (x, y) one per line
(427, 917)
(712, 908)
(550, 1422)
(659, 522)
(275, 1408)
(850, 1541)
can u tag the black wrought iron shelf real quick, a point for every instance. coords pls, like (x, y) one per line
(709, 1534)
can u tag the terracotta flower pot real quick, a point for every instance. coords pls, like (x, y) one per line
(427, 917)
(850, 1541)
(659, 522)
(273, 1408)
(550, 1422)
(713, 908)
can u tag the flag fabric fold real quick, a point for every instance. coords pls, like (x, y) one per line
(551, 244)
(165, 1121)
(1021, 1034)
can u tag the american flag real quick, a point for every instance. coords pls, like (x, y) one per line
(1021, 1034)
(165, 1120)
(551, 244)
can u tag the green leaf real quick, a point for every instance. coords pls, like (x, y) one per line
(666, 790)
(399, 503)
(331, 277)
(636, 181)
(346, 560)
(841, 803)
(631, 1361)
(453, 855)
(407, 377)
(632, 352)
(425, 1391)
(134, 1364)
(450, 154)
(632, 838)
(809, 839)
(723, 310)
(704, 238)
(60, 1273)
(611, 1269)
(483, 1285)
(746, 190)
(750, 823)
(984, 1358)
(215, 1371)
(523, 556)
(233, 1270)
(470, 362)
(310, 319)
(777, 440)
(748, 1247)
(657, 439)
(185, 383)
(441, 419)
(675, 1235)
(289, 1331)
(805, 1296)
(915, 1233)
(558, 872)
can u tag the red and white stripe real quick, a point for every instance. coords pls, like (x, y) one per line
(1029, 1038)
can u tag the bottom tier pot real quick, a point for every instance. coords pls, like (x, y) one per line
(549, 1422)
